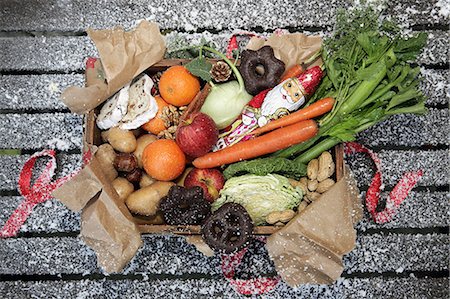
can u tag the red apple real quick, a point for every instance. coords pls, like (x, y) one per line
(211, 180)
(197, 134)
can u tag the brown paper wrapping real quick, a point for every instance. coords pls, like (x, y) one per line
(106, 224)
(309, 249)
(124, 55)
(292, 48)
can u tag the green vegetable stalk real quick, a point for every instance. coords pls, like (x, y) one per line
(370, 77)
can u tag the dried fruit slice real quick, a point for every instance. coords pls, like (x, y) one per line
(142, 106)
(113, 110)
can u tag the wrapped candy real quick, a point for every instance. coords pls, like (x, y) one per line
(271, 104)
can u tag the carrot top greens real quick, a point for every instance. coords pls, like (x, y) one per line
(370, 76)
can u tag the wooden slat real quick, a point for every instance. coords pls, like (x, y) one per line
(49, 217)
(58, 54)
(37, 92)
(62, 131)
(394, 162)
(436, 86)
(409, 130)
(434, 164)
(42, 91)
(189, 15)
(436, 50)
(378, 287)
(419, 210)
(11, 166)
(373, 253)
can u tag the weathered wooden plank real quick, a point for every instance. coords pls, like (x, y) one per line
(160, 255)
(436, 86)
(62, 53)
(436, 50)
(395, 163)
(42, 91)
(36, 92)
(378, 287)
(49, 217)
(12, 165)
(419, 210)
(392, 252)
(62, 131)
(172, 255)
(59, 53)
(190, 15)
(409, 130)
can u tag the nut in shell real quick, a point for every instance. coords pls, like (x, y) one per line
(312, 169)
(302, 206)
(312, 185)
(326, 166)
(280, 216)
(325, 185)
(312, 196)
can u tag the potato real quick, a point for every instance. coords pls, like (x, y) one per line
(106, 155)
(145, 201)
(146, 180)
(123, 187)
(121, 140)
(142, 142)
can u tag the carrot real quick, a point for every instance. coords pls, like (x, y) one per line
(293, 71)
(315, 109)
(265, 144)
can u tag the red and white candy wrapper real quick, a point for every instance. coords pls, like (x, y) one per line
(254, 286)
(271, 104)
(396, 196)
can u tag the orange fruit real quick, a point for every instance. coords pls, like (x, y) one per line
(177, 86)
(163, 160)
(156, 124)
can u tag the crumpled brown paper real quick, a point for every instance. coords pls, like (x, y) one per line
(106, 224)
(123, 55)
(291, 48)
(309, 249)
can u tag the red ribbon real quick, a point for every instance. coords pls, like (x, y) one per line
(233, 43)
(254, 286)
(38, 193)
(396, 196)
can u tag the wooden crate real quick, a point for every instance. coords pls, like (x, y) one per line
(92, 136)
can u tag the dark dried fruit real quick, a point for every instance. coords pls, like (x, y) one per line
(125, 162)
(260, 69)
(185, 206)
(228, 229)
(134, 176)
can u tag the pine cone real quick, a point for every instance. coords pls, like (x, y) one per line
(220, 71)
